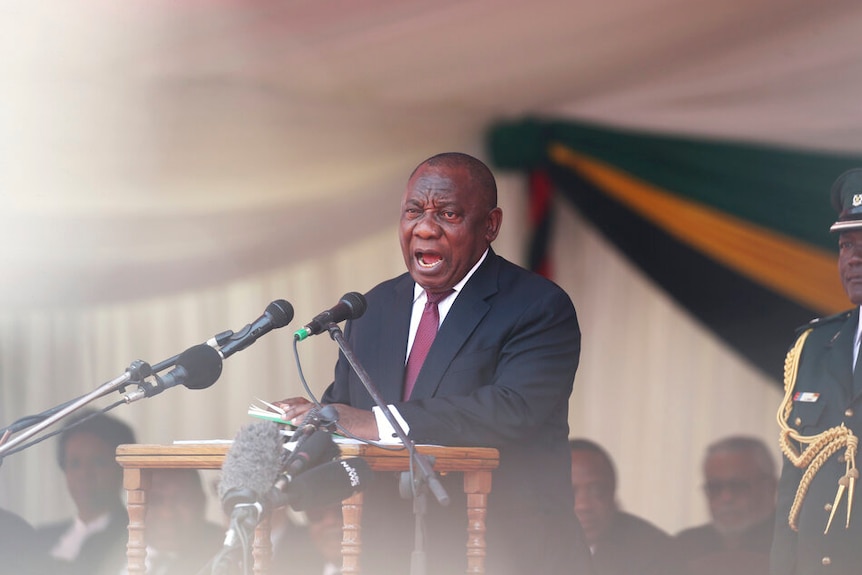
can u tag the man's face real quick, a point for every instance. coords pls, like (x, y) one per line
(593, 486)
(738, 492)
(445, 226)
(93, 477)
(850, 264)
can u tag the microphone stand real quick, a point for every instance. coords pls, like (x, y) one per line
(426, 476)
(137, 371)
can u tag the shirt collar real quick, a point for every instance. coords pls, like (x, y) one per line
(94, 526)
(419, 291)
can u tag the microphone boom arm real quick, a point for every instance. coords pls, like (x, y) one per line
(137, 371)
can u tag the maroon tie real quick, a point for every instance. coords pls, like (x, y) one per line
(425, 334)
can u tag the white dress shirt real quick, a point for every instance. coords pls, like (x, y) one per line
(386, 432)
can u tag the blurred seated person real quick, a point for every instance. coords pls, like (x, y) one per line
(94, 541)
(312, 547)
(740, 484)
(180, 540)
(17, 552)
(621, 543)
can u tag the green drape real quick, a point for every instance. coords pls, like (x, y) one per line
(736, 232)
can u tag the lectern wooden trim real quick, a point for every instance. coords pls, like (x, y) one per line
(477, 464)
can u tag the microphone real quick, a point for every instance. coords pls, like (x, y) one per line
(196, 368)
(318, 417)
(317, 448)
(214, 342)
(329, 483)
(277, 314)
(250, 469)
(351, 306)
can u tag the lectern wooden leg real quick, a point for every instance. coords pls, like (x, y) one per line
(136, 482)
(262, 549)
(351, 540)
(477, 486)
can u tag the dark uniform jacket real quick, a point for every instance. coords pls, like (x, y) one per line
(824, 397)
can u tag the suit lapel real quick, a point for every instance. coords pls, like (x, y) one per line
(469, 308)
(395, 328)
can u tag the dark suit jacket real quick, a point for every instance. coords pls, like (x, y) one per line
(103, 553)
(198, 548)
(633, 546)
(18, 553)
(825, 368)
(499, 374)
(703, 550)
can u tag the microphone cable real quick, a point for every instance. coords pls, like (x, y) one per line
(341, 429)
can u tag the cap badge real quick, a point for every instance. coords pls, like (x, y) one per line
(857, 200)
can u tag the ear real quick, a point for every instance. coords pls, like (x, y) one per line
(493, 223)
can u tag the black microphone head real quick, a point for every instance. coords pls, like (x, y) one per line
(280, 312)
(252, 464)
(327, 415)
(313, 450)
(202, 364)
(356, 302)
(329, 483)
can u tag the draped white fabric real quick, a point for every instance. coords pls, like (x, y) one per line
(168, 168)
(653, 386)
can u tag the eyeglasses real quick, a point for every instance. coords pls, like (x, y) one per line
(735, 487)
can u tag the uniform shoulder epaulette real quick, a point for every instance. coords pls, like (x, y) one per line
(818, 321)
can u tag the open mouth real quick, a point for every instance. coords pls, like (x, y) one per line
(428, 260)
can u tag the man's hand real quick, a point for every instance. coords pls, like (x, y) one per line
(359, 422)
(294, 408)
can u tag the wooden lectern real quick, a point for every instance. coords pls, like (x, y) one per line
(477, 464)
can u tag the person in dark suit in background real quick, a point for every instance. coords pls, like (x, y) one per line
(499, 374)
(18, 552)
(312, 547)
(818, 527)
(94, 541)
(739, 483)
(621, 543)
(180, 540)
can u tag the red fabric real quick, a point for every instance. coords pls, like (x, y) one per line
(425, 334)
(541, 198)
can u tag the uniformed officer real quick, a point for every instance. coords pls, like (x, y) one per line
(819, 519)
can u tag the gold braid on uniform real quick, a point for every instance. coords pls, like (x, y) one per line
(819, 448)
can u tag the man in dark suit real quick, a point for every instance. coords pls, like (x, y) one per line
(308, 542)
(94, 541)
(621, 543)
(739, 483)
(817, 529)
(17, 550)
(499, 373)
(180, 539)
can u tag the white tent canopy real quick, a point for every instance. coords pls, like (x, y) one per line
(168, 168)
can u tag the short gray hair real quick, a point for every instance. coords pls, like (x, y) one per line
(745, 444)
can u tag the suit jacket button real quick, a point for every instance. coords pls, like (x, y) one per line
(841, 458)
(828, 507)
(826, 561)
(798, 421)
(848, 412)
